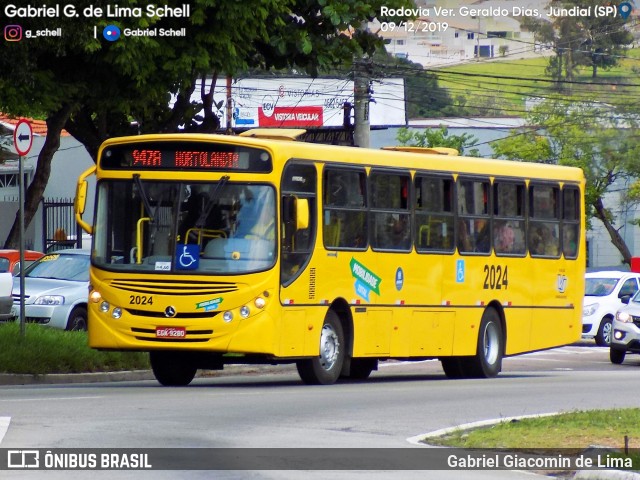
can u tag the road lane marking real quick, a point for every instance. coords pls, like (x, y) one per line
(40, 399)
(4, 426)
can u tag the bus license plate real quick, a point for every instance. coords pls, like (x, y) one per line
(171, 332)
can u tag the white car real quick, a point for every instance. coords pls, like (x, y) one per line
(6, 284)
(56, 290)
(604, 292)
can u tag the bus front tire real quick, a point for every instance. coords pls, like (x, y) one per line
(172, 369)
(325, 369)
(361, 368)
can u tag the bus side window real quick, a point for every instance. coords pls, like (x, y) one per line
(389, 217)
(544, 222)
(570, 221)
(509, 224)
(474, 220)
(344, 222)
(433, 207)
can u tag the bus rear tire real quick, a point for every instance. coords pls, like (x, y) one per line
(325, 369)
(487, 362)
(454, 367)
(172, 369)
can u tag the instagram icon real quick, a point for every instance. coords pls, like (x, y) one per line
(13, 33)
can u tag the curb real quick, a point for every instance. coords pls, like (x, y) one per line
(61, 378)
(132, 376)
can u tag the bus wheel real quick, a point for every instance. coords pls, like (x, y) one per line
(361, 368)
(172, 369)
(453, 367)
(487, 361)
(325, 369)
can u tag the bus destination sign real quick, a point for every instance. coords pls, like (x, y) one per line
(185, 156)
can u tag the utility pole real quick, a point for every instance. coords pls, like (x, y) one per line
(362, 97)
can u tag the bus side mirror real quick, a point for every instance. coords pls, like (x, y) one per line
(81, 197)
(302, 213)
(80, 202)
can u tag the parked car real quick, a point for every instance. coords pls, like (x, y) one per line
(56, 290)
(6, 284)
(625, 332)
(10, 260)
(604, 295)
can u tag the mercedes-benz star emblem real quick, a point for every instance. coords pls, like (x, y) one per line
(170, 312)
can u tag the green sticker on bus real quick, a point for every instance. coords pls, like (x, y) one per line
(366, 276)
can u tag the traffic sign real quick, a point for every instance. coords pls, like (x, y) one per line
(23, 137)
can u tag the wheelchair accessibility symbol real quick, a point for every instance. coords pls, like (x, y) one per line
(460, 271)
(188, 257)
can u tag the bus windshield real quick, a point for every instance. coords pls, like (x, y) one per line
(178, 227)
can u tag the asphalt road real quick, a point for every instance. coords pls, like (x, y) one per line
(271, 408)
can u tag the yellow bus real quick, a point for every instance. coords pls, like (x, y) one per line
(211, 250)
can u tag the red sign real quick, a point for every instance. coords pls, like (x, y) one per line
(290, 117)
(23, 137)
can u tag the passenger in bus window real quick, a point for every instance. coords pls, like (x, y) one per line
(400, 232)
(464, 239)
(569, 243)
(542, 241)
(483, 240)
(504, 238)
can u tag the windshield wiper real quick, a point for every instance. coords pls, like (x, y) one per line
(143, 194)
(213, 200)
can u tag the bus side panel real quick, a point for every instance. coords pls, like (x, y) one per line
(292, 327)
(430, 334)
(561, 324)
(373, 333)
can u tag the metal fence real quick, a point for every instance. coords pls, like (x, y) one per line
(59, 228)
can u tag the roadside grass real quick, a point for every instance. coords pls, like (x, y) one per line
(45, 350)
(572, 430)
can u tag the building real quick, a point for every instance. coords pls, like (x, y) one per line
(68, 163)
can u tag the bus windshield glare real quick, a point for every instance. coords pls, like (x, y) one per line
(175, 227)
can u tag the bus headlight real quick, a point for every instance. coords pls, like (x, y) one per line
(244, 311)
(95, 296)
(260, 302)
(624, 317)
(227, 316)
(104, 307)
(117, 313)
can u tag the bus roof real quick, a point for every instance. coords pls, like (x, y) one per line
(283, 150)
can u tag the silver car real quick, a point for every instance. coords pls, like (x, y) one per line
(56, 290)
(625, 336)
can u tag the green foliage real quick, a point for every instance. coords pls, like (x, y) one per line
(424, 97)
(593, 41)
(438, 138)
(94, 88)
(46, 350)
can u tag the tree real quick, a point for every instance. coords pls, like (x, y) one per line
(599, 139)
(591, 40)
(95, 88)
(438, 138)
(424, 98)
